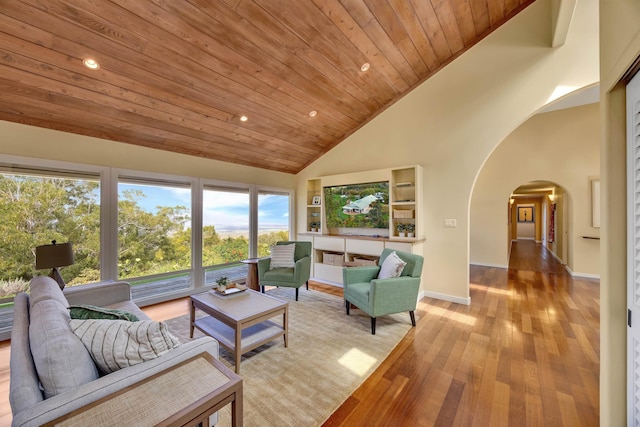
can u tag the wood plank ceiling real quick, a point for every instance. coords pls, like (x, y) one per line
(179, 75)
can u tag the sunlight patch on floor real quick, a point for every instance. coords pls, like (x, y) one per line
(357, 361)
(491, 290)
(458, 317)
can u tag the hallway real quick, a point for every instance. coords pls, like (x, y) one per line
(528, 255)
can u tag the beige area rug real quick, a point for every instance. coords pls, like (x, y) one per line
(329, 355)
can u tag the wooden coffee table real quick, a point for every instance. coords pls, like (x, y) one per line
(240, 322)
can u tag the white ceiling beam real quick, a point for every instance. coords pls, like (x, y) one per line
(561, 16)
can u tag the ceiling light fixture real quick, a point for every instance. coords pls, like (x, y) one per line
(244, 118)
(365, 67)
(91, 63)
(313, 113)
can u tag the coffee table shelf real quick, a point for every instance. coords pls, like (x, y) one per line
(252, 337)
(240, 322)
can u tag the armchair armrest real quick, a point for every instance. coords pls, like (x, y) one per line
(363, 274)
(100, 294)
(263, 266)
(302, 270)
(394, 295)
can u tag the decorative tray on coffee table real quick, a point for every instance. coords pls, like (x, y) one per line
(230, 290)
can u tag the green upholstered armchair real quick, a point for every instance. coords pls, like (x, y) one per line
(287, 277)
(378, 297)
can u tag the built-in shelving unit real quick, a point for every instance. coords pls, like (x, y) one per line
(332, 252)
(404, 206)
(314, 206)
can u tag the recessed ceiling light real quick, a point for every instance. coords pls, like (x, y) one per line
(244, 118)
(91, 63)
(313, 113)
(365, 67)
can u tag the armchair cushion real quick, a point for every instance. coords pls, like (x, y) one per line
(391, 267)
(282, 256)
(279, 275)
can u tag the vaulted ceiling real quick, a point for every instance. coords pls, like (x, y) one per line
(179, 75)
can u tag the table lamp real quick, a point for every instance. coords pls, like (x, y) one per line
(54, 256)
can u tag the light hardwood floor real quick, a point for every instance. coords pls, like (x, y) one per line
(525, 352)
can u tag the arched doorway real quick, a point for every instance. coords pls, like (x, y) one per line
(538, 225)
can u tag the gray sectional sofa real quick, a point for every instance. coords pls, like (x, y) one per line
(51, 372)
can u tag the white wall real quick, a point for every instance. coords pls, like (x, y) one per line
(620, 46)
(452, 122)
(560, 146)
(29, 141)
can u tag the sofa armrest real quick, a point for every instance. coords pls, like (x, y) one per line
(100, 294)
(24, 385)
(64, 403)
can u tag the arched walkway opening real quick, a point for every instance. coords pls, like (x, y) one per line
(537, 222)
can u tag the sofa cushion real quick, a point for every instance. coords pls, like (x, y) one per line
(116, 344)
(282, 256)
(391, 267)
(62, 362)
(44, 288)
(131, 307)
(87, 311)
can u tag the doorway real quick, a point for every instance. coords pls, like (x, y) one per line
(538, 214)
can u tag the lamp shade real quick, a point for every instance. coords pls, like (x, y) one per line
(51, 256)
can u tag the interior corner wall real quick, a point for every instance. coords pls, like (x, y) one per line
(30, 141)
(619, 48)
(452, 122)
(561, 146)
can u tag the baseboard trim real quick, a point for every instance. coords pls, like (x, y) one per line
(556, 256)
(445, 297)
(327, 282)
(583, 275)
(479, 264)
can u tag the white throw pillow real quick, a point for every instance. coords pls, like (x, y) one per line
(391, 267)
(282, 256)
(116, 344)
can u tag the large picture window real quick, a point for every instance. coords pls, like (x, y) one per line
(131, 225)
(273, 220)
(38, 206)
(154, 228)
(225, 232)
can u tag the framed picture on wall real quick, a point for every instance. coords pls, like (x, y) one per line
(525, 213)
